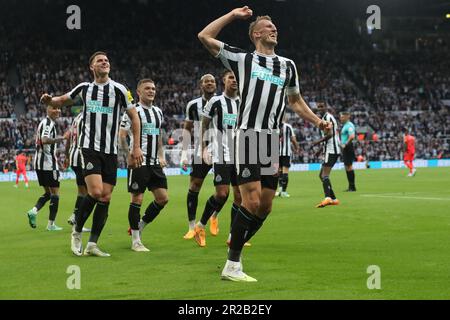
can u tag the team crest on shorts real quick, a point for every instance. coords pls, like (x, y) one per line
(89, 166)
(218, 178)
(135, 186)
(245, 173)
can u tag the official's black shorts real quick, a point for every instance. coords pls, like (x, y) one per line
(285, 161)
(256, 163)
(200, 170)
(330, 159)
(146, 177)
(95, 162)
(79, 176)
(224, 174)
(348, 155)
(48, 178)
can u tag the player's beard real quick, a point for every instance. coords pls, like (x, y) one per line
(269, 42)
(99, 74)
(209, 92)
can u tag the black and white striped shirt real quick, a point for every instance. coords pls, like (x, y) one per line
(287, 132)
(74, 151)
(194, 111)
(151, 120)
(102, 105)
(264, 81)
(331, 146)
(45, 156)
(222, 110)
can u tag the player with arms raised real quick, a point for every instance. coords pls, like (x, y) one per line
(102, 101)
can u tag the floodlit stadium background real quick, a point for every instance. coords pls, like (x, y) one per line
(388, 79)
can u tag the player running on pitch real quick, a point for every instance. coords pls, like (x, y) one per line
(73, 159)
(288, 143)
(46, 166)
(200, 169)
(21, 169)
(409, 143)
(221, 111)
(331, 151)
(102, 102)
(264, 81)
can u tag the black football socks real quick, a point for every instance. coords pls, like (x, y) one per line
(84, 211)
(211, 206)
(99, 220)
(54, 203)
(327, 189)
(192, 202)
(152, 212)
(351, 179)
(42, 201)
(134, 215)
(245, 225)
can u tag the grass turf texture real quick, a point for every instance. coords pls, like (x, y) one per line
(300, 253)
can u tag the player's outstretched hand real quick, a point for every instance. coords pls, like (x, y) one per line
(46, 98)
(242, 13)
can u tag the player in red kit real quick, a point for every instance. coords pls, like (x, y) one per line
(21, 162)
(409, 153)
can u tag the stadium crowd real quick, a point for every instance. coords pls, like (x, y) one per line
(6, 93)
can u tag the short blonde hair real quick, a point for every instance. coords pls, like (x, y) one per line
(145, 80)
(251, 28)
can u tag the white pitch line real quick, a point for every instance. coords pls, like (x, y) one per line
(394, 193)
(405, 197)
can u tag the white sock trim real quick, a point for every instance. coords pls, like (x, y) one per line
(233, 263)
(135, 236)
(201, 225)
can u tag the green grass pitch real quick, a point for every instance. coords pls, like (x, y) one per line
(400, 224)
